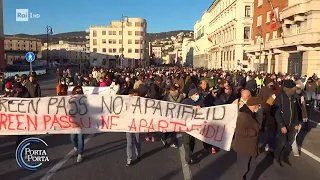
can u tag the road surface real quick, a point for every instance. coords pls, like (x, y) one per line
(105, 158)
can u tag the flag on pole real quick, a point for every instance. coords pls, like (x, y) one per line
(274, 19)
(209, 38)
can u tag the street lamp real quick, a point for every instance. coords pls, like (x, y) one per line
(123, 19)
(49, 31)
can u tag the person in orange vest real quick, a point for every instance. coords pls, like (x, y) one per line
(62, 88)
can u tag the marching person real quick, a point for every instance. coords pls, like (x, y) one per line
(78, 139)
(286, 115)
(133, 139)
(62, 88)
(245, 95)
(246, 139)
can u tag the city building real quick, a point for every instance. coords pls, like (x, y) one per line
(187, 51)
(65, 52)
(157, 51)
(230, 26)
(294, 44)
(106, 43)
(2, 59)
(15, 49)
(200, 53)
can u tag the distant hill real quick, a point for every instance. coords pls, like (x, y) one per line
(80, 36)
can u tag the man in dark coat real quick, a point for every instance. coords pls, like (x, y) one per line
(286, 114)
(246, 139)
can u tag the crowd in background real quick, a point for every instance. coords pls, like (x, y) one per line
(274, 104)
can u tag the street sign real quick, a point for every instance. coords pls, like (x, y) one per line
(30, 57)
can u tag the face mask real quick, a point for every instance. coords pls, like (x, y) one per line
(197, 97)
(127, 79)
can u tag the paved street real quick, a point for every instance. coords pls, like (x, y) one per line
(105, 158)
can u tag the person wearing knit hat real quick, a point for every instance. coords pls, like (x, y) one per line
(287, 119)
(246, 138)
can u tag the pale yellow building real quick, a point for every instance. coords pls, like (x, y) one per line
(65, 52)
(15, 48)
(2, 58)
(298, 50)
(106, 42)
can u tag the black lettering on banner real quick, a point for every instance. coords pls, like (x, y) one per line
(212, 112)
(148, 106)
(12, 104)
(114, 107)
(21, 104)
(198, 115)
(138, 104)
(62, 105)
(3, 103)
(104, 104)
(158, 107)
(34, 106)
(73, 106)
(178, 114)
(52, 101)
(83, 102)
(170, 109)
(184, 110)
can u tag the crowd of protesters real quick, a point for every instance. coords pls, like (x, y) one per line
(274, 104)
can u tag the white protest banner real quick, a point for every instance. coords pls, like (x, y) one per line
(93, 90)
(104, 113)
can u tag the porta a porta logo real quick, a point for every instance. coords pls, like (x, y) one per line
(31, 153)
(25, 15)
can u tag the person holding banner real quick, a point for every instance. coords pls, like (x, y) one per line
(246, 139)
(133, 140)
(188, 140)
(77, 139)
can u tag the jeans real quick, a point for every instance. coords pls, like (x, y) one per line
(246, 166)
(271, 138)
(295, 148)
(188, 144)
(133, 140)
(78, 142)
(284, 142)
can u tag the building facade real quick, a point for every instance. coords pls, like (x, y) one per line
(187, 51)
(201, 43)
(263, 34)
(297, 51)
(106, 42)
(65, 52)
(2, 59)
(230, 26)
(15, 49)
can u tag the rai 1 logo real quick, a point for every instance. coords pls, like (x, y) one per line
(31, 153)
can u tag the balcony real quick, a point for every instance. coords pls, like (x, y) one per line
(298, 18)
(87, 37)
(300, 8)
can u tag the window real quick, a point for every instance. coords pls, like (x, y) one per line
(274, 34)
(142, 24)
(94, 42)
(260, 2)
(120, 41)
(298, 28)
(246, 34)
(110, 33)
(94, 49)
(114, 32)
(141, 42)
(110, 41)
(247, 11)
(104, 33)
(104, 41)
(136, 41)
(129, 50)
(267, 36)
(268, 17)
(129, 24)
(104, 50)
(276, 12)
(137, 24)
(137, 33)
(259, 20)
(136, 50)
(114, 41)
(110, 50)
(129, 41)
(120, 50)
(120, 32)
(114, 50)
(129, 33)
(94, 33)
